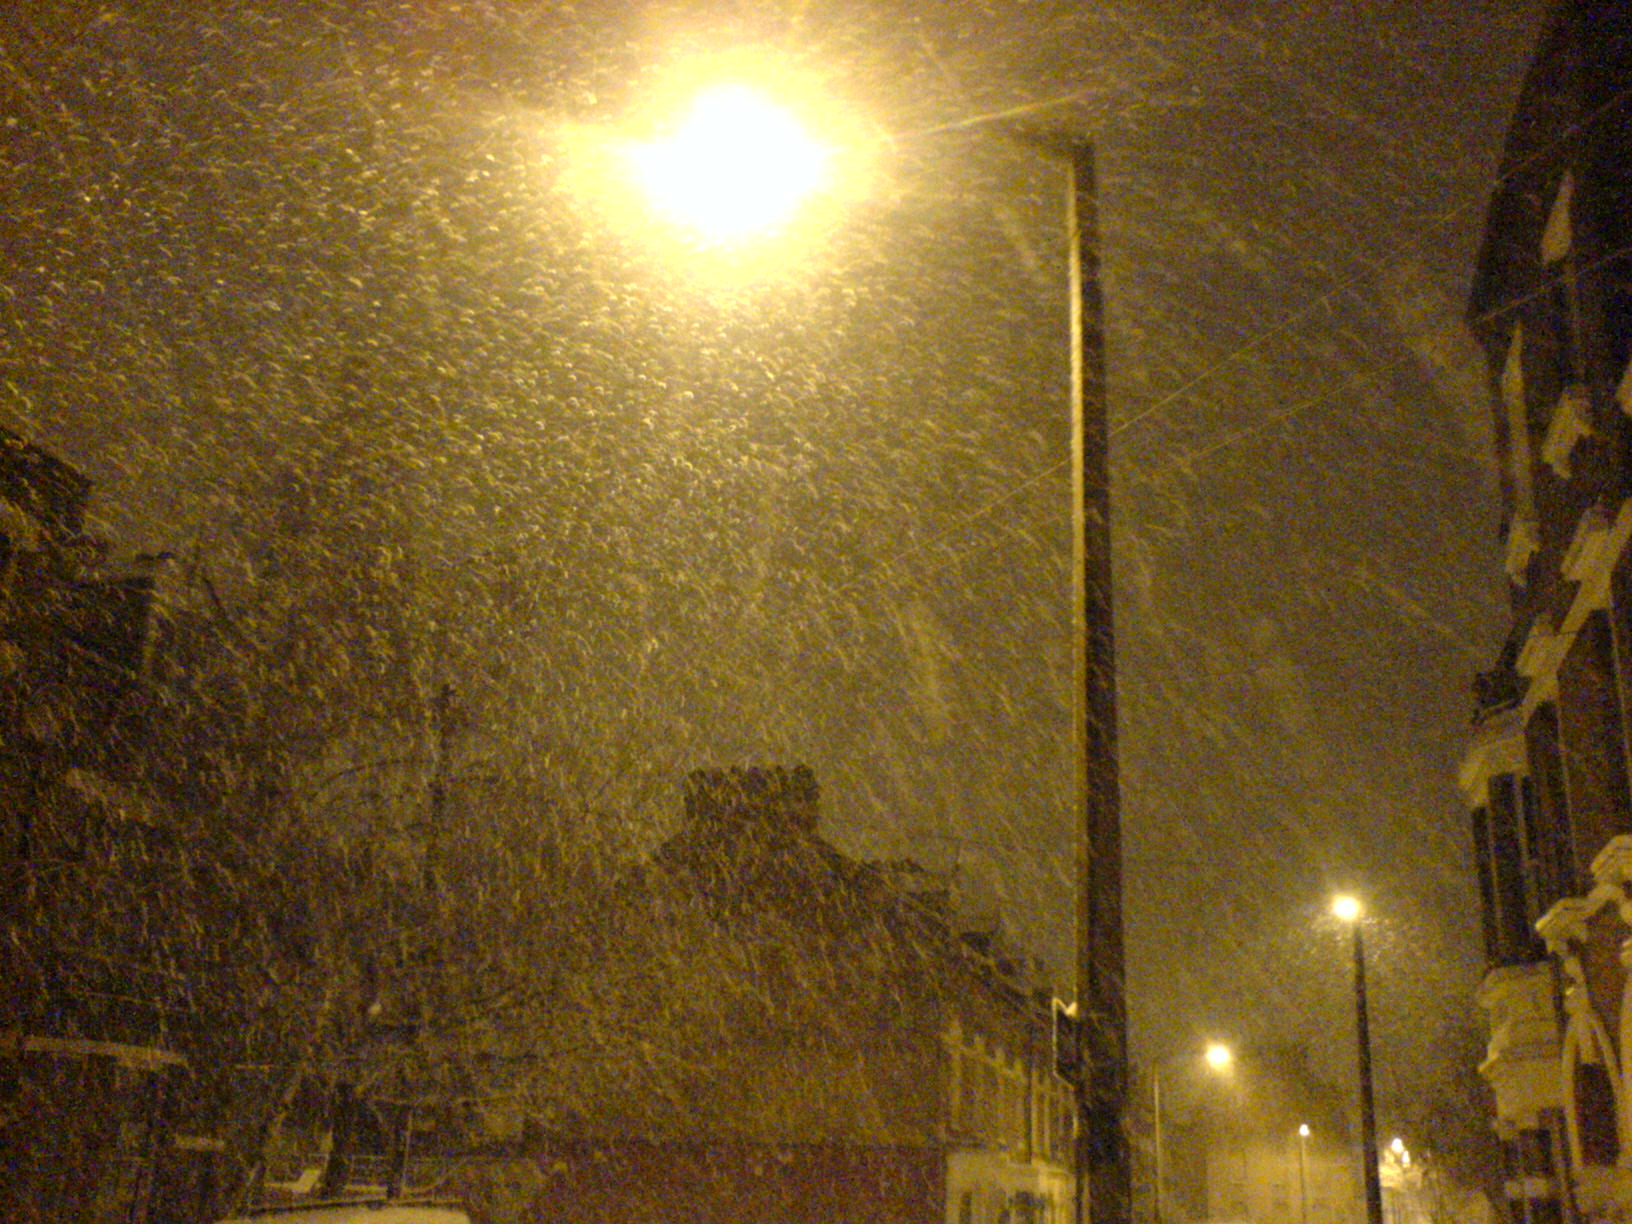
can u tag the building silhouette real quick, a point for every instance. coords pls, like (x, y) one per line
(835, 1043)
(86, 1040)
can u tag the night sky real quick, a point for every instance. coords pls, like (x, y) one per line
(653, 507)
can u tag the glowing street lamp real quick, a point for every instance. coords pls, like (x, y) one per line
(738, 163)
(1348, 909)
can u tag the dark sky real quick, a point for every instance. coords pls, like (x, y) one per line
(662, 516)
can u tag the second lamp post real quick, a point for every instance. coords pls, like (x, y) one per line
(1348, 910)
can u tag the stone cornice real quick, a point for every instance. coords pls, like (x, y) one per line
(1497, 749)
(1556, 237)
(1522, 541)
(1571, 422)
(1612, 868)
(1505, 980)
(1538, 661)
(1565, 923)
(1595, 548)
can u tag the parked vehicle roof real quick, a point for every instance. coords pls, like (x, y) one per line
(356, 1211)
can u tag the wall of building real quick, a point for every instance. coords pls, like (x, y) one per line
(1546, 774)
(1262, 1180)
(714, 1181)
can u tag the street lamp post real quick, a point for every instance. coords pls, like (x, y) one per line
(1348, 909)
(1103, 1157)
(1160, 1173)
(687, 173)
(1104, 1181)
(1303, 1173)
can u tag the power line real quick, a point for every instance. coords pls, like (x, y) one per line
(1315, 400)
(1348, 282)
(1324, 300)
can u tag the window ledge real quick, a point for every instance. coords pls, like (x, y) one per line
(1522, 542)
(1569, 425)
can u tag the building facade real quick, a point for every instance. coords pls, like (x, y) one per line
(1547, 774)
(833, 1044)
(85, 1046)
(1273, 1144)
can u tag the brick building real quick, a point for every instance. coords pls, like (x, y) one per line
(1547, 774)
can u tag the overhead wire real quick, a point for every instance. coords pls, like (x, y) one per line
(1432, 226)
(1314, 400)
(1292, 319)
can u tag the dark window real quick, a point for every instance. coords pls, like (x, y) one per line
(1595, 1106)
(1483, 852)
(1543, 817)
(1510, 828)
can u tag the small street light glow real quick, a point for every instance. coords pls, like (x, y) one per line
(1303, 1130)
(1219, 1056)
(738, 163)
(1346, 907)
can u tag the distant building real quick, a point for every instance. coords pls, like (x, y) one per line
(1547, 774)
(848, 1053)
(1256, 1163)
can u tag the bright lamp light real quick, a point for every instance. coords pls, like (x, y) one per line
(1346, 907)
(1219, 1056)
(737, 163)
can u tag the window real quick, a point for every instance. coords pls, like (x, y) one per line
(1544, 809)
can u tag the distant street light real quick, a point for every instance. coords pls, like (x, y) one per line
(1219, 1059)
(1348, 909)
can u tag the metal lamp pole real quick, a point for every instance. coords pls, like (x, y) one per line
(1348, 909)
(1303, 1173)
(1104, 1181)
(1156, 1135)
(1104, 1175)
(1102, 1150)
(1220, 1059)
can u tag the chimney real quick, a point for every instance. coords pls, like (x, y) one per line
(763, 798)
